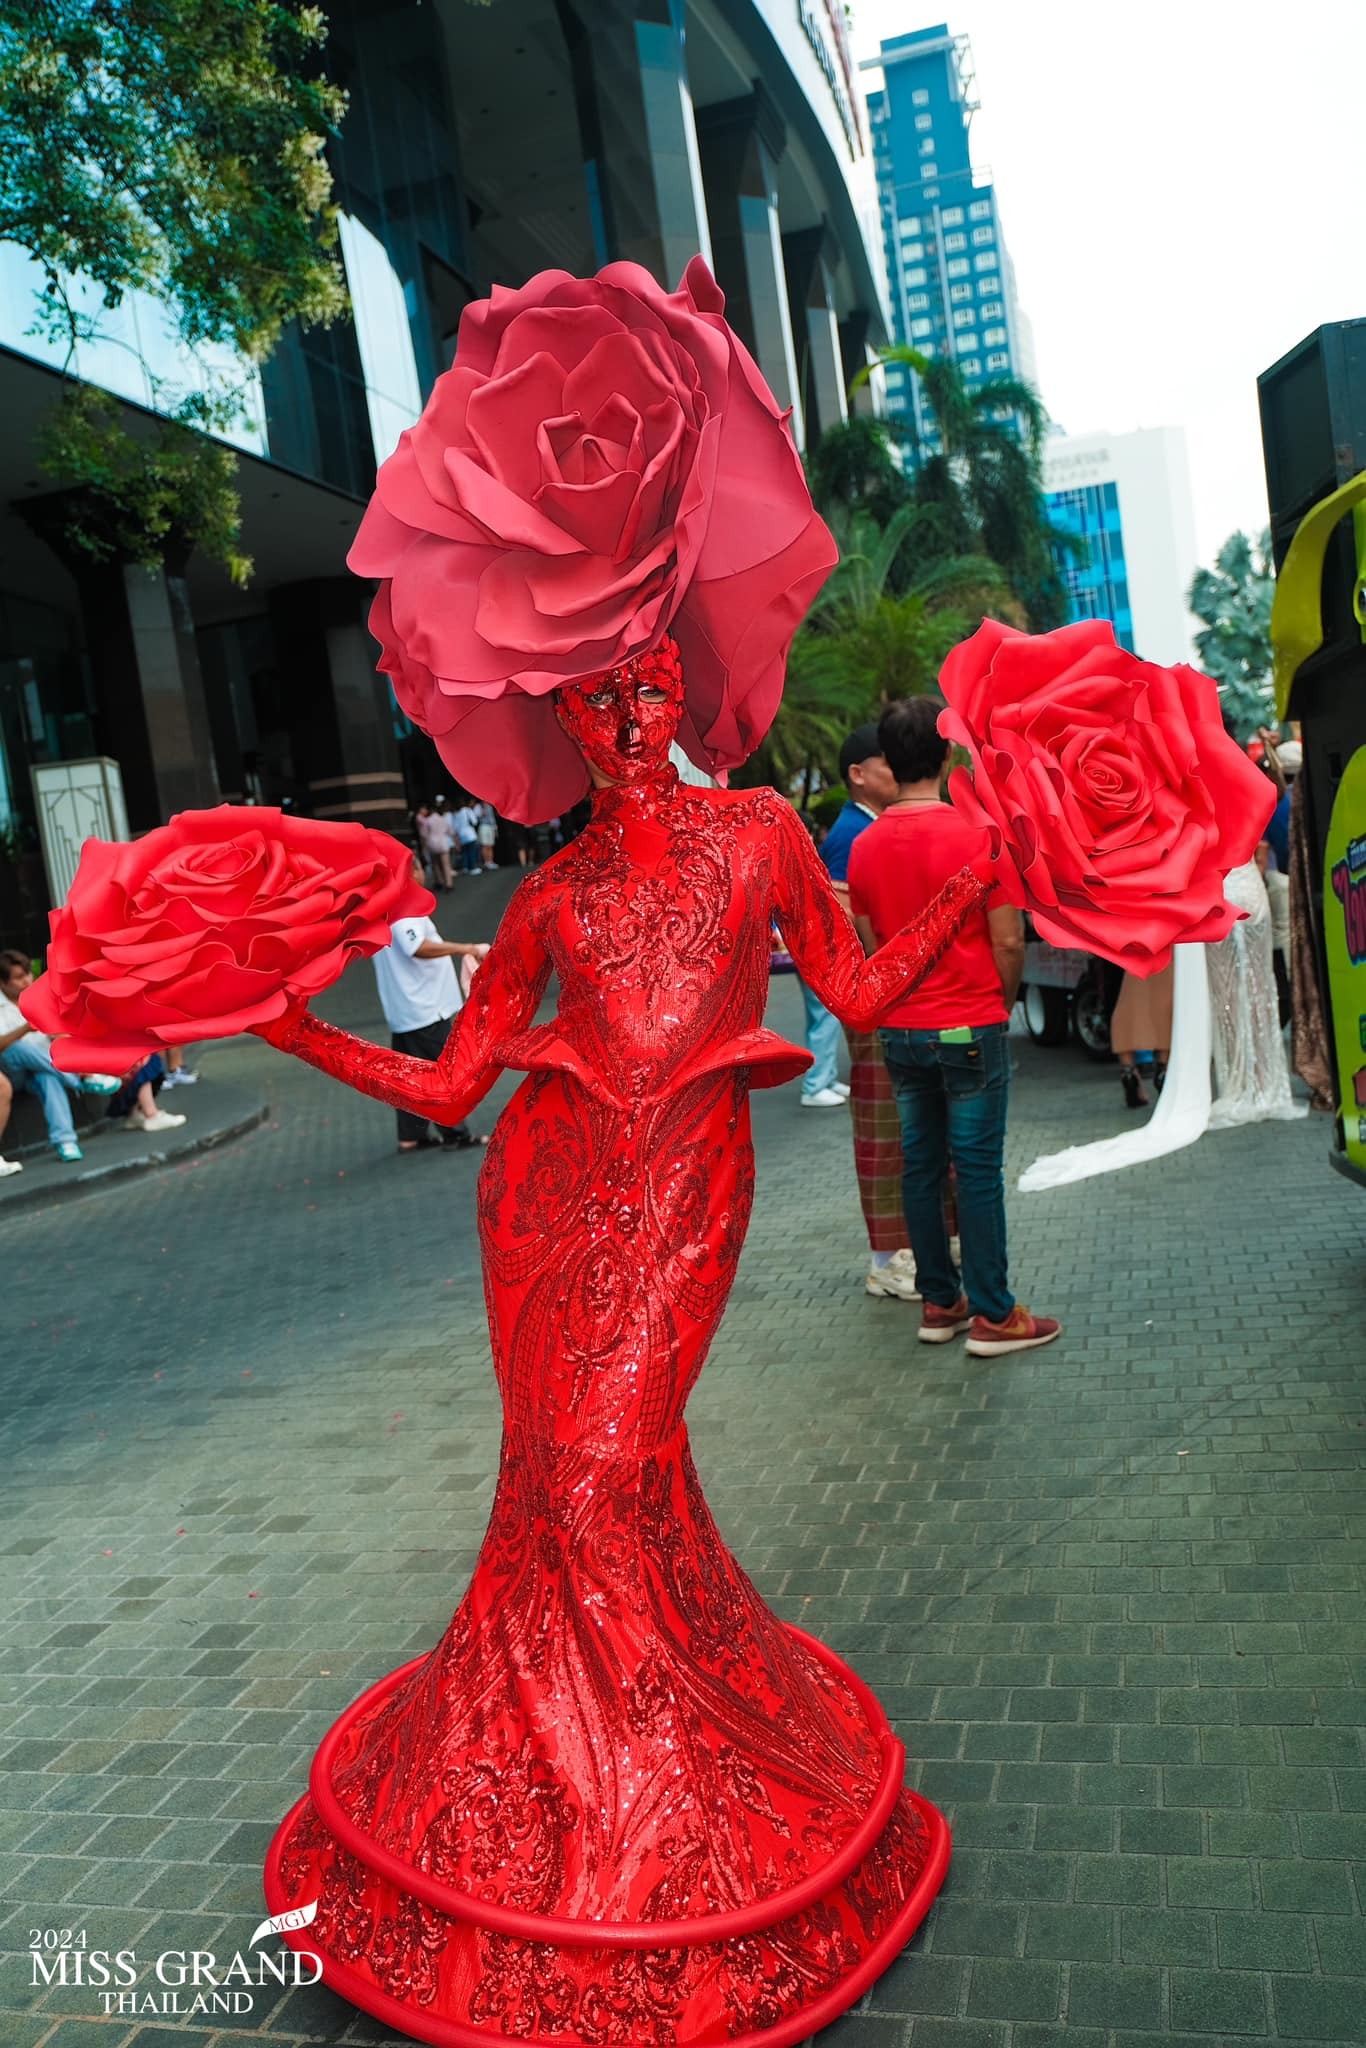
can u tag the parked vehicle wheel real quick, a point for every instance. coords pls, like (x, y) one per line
(1045, 1013)
(1091, 1014)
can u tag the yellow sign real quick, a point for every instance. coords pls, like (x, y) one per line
(1296, 613)
(1344, 938)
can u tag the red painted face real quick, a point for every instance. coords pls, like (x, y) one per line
(624, 721)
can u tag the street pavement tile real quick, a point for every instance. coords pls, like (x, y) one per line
(1111, 1593)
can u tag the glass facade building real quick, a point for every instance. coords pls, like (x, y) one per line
(480, 145)
(1094, 574)
(952, 283)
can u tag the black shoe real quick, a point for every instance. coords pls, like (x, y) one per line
(1159, 1074)
(460, 1139)
(1134, 1098)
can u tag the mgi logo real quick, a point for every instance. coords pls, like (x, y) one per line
(178, 1982)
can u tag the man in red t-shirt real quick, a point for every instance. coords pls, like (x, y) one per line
(946, 1044)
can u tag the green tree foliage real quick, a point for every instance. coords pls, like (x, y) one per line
(984, 485)
(176, 148)
(1233, 600)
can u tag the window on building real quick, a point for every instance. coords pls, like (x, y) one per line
(957, 266)
(980, 210)
(920, 98)
(953, 216)
(960, 291)
(930, 171)
(964, 343)
(915, 277)
(930, 191)
(923, 121)
(1000, 361)
(920, 327)
(928, 345)
(911, 225)
(989, 261)
(981, 236)
(918, 302)
(927, 145)
(955, 242)
(964, 316)
(993, 310)
(995, 337)
(912, 252)
(972, 367)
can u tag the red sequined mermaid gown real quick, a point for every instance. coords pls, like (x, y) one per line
(620, 1801)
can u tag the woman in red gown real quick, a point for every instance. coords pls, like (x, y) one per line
(620, 1801)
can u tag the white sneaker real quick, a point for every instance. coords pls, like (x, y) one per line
(180, 1077)
(9, 1166)
(824, 1098)
(163, 1120)
(841, 1088)
(100, 1084)
(896, 1278)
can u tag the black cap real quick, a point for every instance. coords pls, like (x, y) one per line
(861, 745)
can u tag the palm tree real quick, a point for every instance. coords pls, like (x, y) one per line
(862, 643)
(983, 486)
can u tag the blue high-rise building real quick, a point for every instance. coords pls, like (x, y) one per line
(952, 283)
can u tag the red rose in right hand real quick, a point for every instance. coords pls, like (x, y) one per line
(1115, 801)
(221, 921)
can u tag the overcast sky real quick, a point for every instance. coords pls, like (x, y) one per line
(1183, 192)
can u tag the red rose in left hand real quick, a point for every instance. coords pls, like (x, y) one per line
(216, 923)
(1115, 801)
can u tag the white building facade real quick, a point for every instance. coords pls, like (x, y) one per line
(1127, 499)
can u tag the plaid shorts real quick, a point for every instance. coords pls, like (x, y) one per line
(877, 1143)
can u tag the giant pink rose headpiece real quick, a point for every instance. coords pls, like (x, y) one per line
(1113, 800)
(602, 464)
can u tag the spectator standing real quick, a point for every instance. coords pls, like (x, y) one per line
(26, 1057)
(437, 834)
(419, 993)
(945, 1044)
(466, 823)
(876, 1125)
(486, 828)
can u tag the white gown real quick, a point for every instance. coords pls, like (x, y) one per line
(1183, 1107)
(1251, 1072)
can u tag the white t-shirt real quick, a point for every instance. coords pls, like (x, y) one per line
(415, 992)
(12, 1018)
(466, 824)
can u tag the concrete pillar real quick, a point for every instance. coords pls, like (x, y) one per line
(815, 329)
(150, 713)
(741, 142)
(342, 733)
(641, 162)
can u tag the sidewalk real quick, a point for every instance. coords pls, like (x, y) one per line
(1111, 1593)
(214, 1114)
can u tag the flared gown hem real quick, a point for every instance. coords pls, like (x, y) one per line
(428, 2023)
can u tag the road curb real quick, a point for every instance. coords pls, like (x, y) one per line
(94, 1178)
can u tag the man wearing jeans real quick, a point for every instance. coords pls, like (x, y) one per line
(946, 1044)
(26, 1056)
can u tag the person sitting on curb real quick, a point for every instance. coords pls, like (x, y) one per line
(7, 1166)
(945, 1043)
(136, 1101)
(26, 1056)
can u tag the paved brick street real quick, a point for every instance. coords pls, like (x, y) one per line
(1112, 1594)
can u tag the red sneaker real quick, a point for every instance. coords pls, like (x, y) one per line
(1019, 1332)
(939, 1325)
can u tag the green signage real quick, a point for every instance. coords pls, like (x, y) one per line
(1344, 932)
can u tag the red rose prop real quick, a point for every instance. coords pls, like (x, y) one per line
(602, 464)
(1114, 800)
(211, 925)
